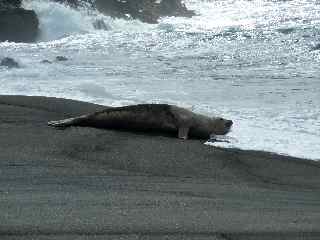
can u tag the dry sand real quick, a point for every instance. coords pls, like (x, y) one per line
(86, 183)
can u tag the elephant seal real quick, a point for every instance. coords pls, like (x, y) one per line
(152, 117)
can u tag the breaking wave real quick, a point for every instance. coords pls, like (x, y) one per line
(75, 21)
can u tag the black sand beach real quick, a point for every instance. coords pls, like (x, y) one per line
(86, 183)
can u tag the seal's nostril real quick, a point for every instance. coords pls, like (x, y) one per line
(229, 123)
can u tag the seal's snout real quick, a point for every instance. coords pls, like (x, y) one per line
(228, 124)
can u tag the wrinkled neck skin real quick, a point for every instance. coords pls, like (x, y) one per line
(201, 127)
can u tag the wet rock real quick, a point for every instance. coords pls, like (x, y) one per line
(75, 3)
(46, 61)
(174, 8)
(61, 59)
(9, 62)
(17, 24)
(145, 10)
(5, 4)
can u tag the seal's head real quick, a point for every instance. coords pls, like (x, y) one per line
(221, 126)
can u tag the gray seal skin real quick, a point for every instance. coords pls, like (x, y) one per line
(152, 117)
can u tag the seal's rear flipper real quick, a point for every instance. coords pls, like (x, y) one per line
(62, 123)
(76, 121)
(183, 133)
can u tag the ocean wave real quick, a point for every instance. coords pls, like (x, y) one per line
(75, 21)
(50, 15)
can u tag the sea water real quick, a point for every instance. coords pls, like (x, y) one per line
(256, 62)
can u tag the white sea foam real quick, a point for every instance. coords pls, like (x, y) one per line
(278, 133)
(59, 21)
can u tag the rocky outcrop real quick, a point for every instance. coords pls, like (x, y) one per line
(73, 3)
(4, 4)
(146, 10)
(138, 9)
(174, 8)
(17, 24)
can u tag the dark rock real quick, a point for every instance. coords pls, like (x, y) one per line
(174, 8)
(9, 62)
(6, 4)
(18, 25)
(61, 59)
(46, 61)
(145, 10)
(73, 3)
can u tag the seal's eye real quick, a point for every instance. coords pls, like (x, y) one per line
(220, 119)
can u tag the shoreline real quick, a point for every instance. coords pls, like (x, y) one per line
(98, 183)
(83, 107)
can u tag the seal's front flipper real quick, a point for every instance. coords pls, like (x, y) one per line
(222, 138)
(183, 133)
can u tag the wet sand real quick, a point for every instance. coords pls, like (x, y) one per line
(86, 183)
